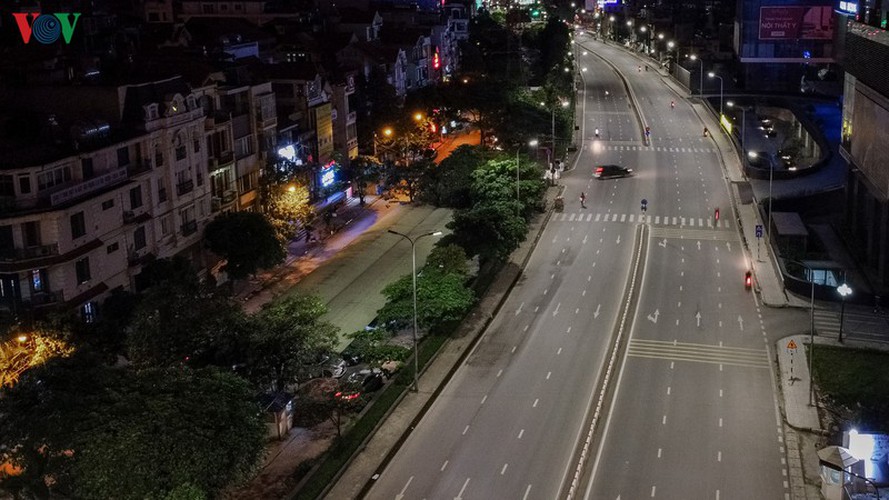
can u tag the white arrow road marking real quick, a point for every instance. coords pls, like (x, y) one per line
(653, 318)
(557, 308)
(519, 310)
(618, 239)
(663, 243)
(699, 244)
(460, 495)
(741, 322)
(400, 495)
(527, 492)
(698, 317)
(728, 245)
(584, 239)
(596, 312)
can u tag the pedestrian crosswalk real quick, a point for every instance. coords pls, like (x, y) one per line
(698, 353)
(662, 149)
(657, 220)
(827, 323)
(858, 324)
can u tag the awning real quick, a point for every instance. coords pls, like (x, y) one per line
(836, 457)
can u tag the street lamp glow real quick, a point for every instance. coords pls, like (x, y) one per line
(670, 44)
(291, 188)
(844, 292)
(730, 104)
(418, 116)
(611, 19)
(693, 57)
(584, 70)
(752, 155)
(711, 74)
(565, 104)
(643, 29)
(533, 143)
(629, 23)
(22, 338)
(660, 36)
(387, 132)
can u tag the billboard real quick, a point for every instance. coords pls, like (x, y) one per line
(813, 22)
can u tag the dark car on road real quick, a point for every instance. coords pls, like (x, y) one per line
(611, 172)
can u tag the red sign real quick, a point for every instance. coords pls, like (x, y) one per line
(796, 23)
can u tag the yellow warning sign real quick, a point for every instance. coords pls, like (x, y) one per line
(791, 344)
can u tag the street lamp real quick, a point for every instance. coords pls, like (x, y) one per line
(714, 75)
(694, 57)
(743, 126)
(413, 242)
(844, 292)
(811, 279)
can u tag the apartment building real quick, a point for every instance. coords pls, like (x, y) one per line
(114, 177)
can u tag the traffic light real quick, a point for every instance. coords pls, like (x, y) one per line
(748, 280)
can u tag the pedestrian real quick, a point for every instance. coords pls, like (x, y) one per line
(582, 199)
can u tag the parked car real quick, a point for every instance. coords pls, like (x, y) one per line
(324, 366)
(361, 382)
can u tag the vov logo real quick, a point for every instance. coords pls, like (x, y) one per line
(46, 28)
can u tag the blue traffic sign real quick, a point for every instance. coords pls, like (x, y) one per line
(759, 230)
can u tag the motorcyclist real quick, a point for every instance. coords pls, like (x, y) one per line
(672, 104)
(597, 133)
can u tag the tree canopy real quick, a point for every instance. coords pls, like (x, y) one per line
(441, 297)
(95, 432)
(247, 240)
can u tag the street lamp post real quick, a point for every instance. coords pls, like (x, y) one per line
(844, 292)
(413, 242)
(714, 75)
(811, 278)
(743, 125)
(701, 87)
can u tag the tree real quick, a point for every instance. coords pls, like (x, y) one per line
(175, 324)
(448, 184)
(490, 229)
(287, 335)
(285, 197)
(246, 240)
(441, 297)
(85, 430)
(362, 171)
(408, 177)
(448, 259)
(373, 347)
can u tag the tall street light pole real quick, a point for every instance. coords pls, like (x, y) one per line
(844, 292)
(714, 75)
(413, 242)
(811, 279)
(694, 57)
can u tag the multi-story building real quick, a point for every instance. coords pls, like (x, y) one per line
(865, 145)
(115, 177)
(345, 119)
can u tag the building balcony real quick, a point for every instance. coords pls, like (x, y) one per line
(351, 117)
(189, 228)
(89, 186)
(35, 252)
(220, 160)
(139, 167)
(185, 187)
(219, 202)
(43, 299)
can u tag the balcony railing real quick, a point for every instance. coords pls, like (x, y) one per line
(189, 228)
(36, 252)
(40, 299)
(185, 187)
(89, 186)
(352, 116)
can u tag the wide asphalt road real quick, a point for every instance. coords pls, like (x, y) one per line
(509, 422)
(694, 412)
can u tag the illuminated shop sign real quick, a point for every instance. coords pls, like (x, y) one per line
(328, 175)
(848, 7)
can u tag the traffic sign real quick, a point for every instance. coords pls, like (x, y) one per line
(759, 230)
(791, 345)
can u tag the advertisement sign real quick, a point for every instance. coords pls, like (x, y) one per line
(796, 23)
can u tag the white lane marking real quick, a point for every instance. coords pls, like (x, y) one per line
(659, 450)
(668, 391)
(537, 400)
(460, 495)
(720, 422)
(519, 310)
(596, 312)
(671, 364)
(484, 399)
(514, 348)
(465, 430)
(521, 433)
(552, 276)
(536, 308)
(664, 420)
(577, 310)
(557, 308)
(719, 456)
(569, 330)
(443, 466)
(526, 327)
(652, 491)
(503, 470)
(527, 492)
(545, 291)
(559, 351)
(583, 294)
(720, 392)
(401, 493)
(499, 373)
(548, 375)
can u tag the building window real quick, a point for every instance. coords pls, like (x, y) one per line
(243, 147)
(31, 233)
(7, 185)
(86, 168)
(108, 204)
(180, 152)
(197, 145)
(161, 191)
(135, 197)
(88, 312)
(82, 269)
(52, 178)
(158, 157)
(123, 156)
(166, 225)
(78, 225)
(38, 280)
(24, 184)
(112, 247)
(139, 238)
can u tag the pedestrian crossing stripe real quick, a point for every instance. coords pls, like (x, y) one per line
(698, 222)
(660, 232)
(698, 353)
(663, 149)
